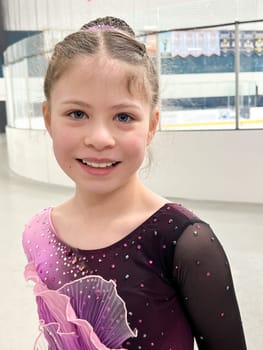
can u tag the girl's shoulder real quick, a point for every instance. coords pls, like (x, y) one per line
(170, 221)
(39, 220)
(36, 229)
(176, 213)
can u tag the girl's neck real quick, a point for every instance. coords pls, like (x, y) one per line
(131, 196)
(108, 218)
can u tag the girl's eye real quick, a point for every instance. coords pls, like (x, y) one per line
(77, 115)
(124, 117)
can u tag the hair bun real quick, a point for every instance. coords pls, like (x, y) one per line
(109, 23)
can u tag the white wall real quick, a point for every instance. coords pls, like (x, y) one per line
(30, 155)
(212, 165)
(142, 15)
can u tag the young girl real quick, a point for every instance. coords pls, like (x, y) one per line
(117, 266)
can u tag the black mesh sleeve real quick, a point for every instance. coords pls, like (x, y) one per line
(203, 277)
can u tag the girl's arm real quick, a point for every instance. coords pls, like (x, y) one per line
(202, 274)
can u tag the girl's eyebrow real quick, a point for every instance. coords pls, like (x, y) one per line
(125, 105)
(76, 102)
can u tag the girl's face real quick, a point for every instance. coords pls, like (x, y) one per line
(100, 130)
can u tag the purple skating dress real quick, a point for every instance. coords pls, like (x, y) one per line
(161, 286)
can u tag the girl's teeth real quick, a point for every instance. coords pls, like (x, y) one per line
(97, 165)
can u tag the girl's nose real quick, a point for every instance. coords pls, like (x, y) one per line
(99, 137)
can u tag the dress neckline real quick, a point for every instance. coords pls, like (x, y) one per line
(114, 244)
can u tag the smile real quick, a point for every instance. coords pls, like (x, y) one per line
(98, 165)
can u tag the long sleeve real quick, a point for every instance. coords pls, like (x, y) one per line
(202, 275)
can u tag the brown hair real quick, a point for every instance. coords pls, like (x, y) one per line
(107, 35)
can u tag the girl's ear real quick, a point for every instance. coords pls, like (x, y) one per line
(47, 116)
(153, 124)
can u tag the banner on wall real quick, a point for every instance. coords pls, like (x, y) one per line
(227, 42)
(247, 43)
(203, 43)
(195, 43)
(165, 44)
(150, 41)
(250, 42)
(258, 39)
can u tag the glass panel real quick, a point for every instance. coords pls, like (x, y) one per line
(197, 79)
(36, 68)
(9, 95)
(20, 94)
(251, 76)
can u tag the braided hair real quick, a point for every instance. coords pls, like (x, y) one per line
(109, 23)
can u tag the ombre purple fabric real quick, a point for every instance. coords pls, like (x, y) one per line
(101, 323)
(171, 272)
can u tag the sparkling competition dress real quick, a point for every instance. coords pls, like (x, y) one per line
(161, 286)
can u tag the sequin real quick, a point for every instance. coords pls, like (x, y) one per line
(74, 260)
(82, 266)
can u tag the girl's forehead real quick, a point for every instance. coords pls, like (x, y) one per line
(101, 69)
(110, 67)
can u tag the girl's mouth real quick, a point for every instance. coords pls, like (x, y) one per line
(98, 165)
